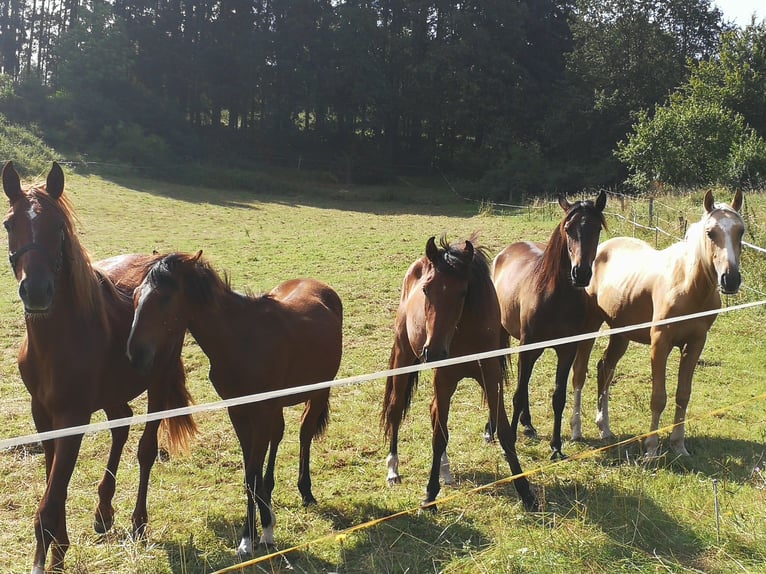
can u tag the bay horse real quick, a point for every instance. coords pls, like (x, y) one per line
(72, 359)
(289, 337)
(540, 287)
(636, 283)
(448, 307)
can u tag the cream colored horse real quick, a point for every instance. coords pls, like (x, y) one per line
(635, 283)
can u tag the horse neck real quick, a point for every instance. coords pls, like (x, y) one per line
(213, 323)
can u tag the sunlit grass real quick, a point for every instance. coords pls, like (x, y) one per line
(603, 513)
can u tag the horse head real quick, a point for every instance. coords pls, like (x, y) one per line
(581, 229)
(160, 308)
(723, 228)
(444, 287)
(37, 227)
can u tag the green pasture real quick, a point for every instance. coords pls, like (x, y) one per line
(604, 513)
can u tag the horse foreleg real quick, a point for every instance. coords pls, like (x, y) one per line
(147, 454)
(615, 349)
(50, 518)
(579, 373)
(690, 354)
(397, 398)
(659, 357)
(313, 422)
(444, 388)
(566, 356)
(527, 361)
(104, 515)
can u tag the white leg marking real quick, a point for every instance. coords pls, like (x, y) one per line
(392, 463)
(38, 570)
(575, 423)
(444, 470)
(245, 547)
(267, 538)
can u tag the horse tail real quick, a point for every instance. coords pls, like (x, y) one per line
(323, 419)
(178, 431)
(388, 396)
(505, 360)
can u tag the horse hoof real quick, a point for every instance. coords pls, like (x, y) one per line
(102, 526)
(428, 506)
(394, 480)
(489, 438)
(309, 500)
(139, 531)
(530, 431)
(531, 503)
(558, 455)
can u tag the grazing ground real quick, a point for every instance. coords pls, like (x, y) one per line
(604, 511)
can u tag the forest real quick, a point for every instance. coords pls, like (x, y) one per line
(521, 97)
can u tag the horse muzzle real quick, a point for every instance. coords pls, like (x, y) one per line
(581, 275)
(36, 295)
(141, 357)
(730, 282)
(431, 354)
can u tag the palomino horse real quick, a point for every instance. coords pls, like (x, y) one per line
(72, 360)
(290, 337)
(540, 289)
(635, 283)
(448, 306)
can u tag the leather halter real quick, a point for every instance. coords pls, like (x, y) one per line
(16, 255)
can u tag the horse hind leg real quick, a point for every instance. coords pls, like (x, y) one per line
(104, 515)
(314, 421)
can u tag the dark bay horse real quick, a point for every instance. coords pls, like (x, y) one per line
(448, 307)
(635, 283)
(540, 289)
(72, 360)
(290, 337)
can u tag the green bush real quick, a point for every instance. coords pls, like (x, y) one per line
(690, 143)
(29, 153)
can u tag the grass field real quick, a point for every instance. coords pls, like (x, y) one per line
(603, 512)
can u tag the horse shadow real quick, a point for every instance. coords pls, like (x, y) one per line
(630, 519)
(398, 541)
(711, 456)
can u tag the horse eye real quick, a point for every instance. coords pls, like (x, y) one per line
(8, 225)
(425, 290)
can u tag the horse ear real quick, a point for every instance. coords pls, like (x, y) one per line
(565, 205)
(469, 250)
(197, 256)
(11, 182)
(601, 200)
(432, 252)
(54, 185)
(708, 202)
(736, 203)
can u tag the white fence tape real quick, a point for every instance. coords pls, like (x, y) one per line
(245, 399)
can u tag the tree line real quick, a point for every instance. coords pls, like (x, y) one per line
(521, 96)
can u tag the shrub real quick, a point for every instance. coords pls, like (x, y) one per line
(29, 153)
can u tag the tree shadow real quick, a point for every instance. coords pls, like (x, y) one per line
(238, 192)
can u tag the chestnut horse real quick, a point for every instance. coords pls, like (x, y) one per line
(290, 337)
(72, 360)
(540, 289)
(448, 307)
(635, 283)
